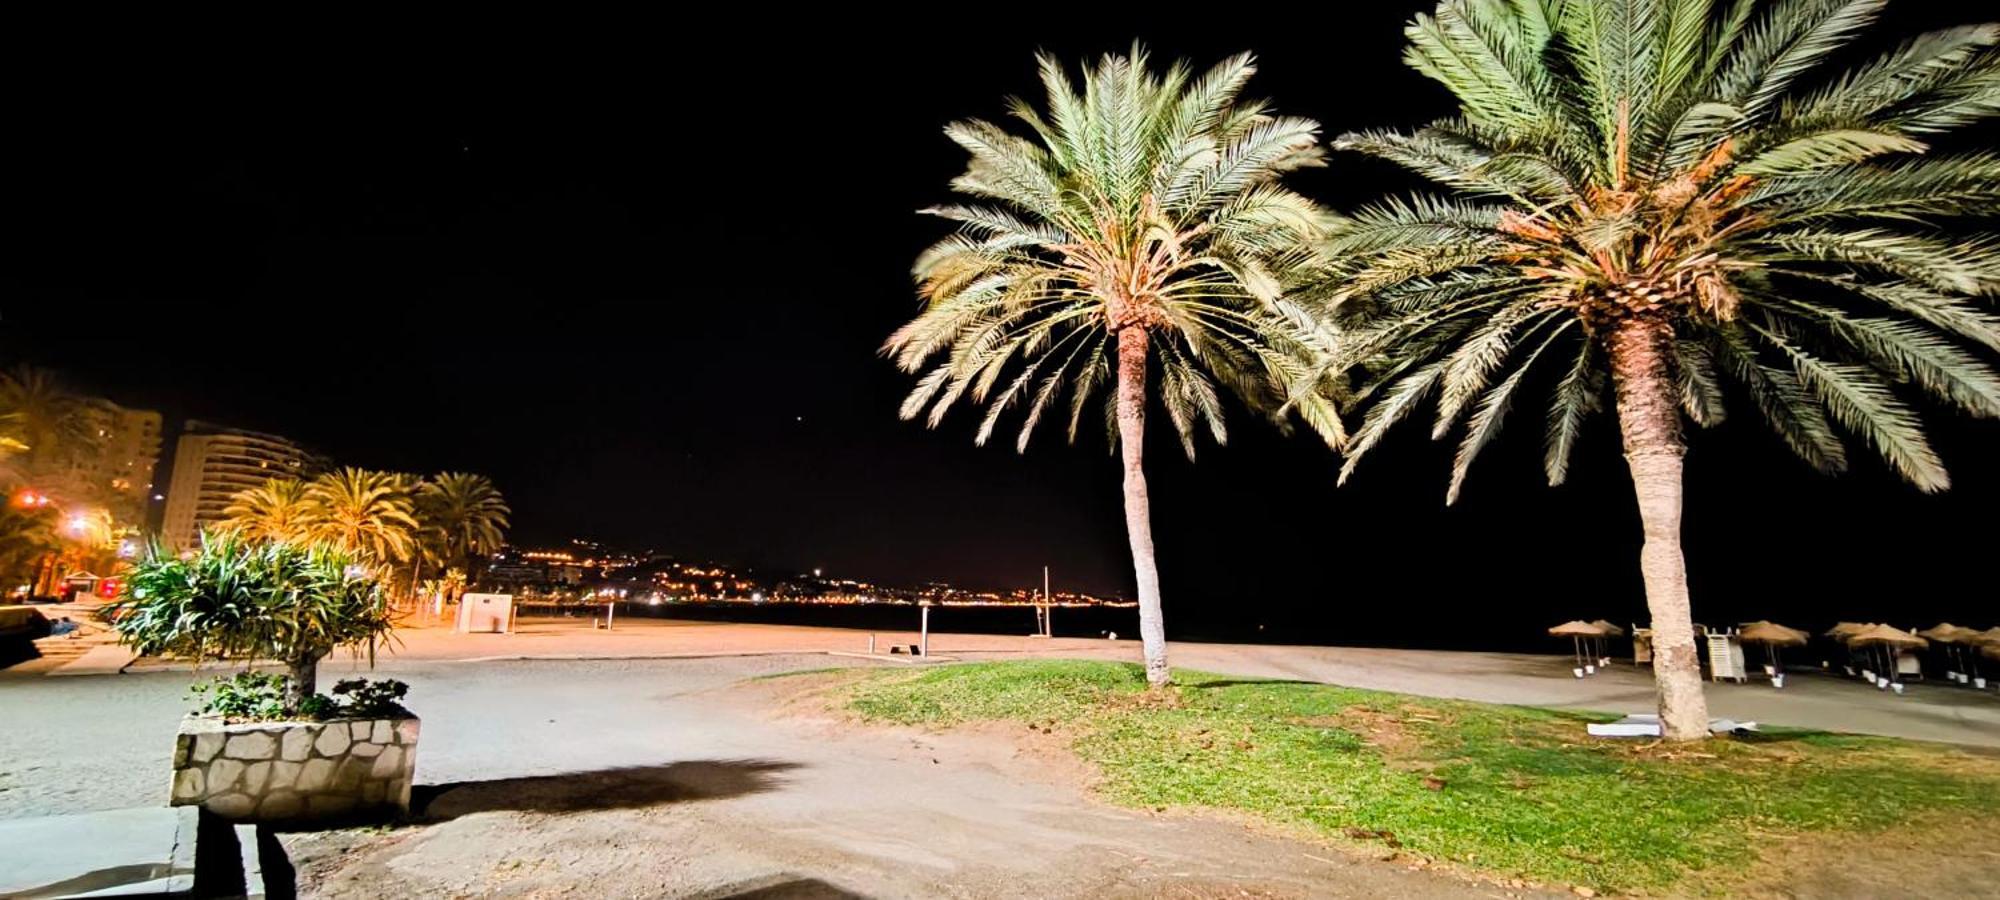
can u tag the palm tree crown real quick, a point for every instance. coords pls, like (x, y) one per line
(366, 513)
(277, 510)
(43, 419)
(1673, 171)
(1145, 201)
(465, 513)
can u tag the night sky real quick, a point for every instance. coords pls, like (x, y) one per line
(640, 277)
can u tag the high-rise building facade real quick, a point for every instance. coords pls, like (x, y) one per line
(120, 468)
(213, 464)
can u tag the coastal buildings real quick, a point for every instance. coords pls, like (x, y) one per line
(213, 463)
(120, 470)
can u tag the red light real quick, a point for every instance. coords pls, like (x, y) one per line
(31, 499)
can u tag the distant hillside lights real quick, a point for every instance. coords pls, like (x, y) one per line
(606, 576)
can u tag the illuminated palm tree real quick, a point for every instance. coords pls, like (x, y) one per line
(365, 513)
(277, 510)
(1141, 229)
(464, 513)
(1661, 195)
(44, 424)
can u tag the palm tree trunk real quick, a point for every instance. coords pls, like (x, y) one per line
(1138, 509)
(1649, 418)
(303, 680)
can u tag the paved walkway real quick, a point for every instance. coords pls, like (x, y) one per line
(1930, 712)
(1935, 712)
(629, 778)
(143, 852)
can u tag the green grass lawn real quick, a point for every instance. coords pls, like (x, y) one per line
(1509, 790)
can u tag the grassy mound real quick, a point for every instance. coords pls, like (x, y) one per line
(1511, 790)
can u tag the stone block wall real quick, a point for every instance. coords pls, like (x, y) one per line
(296, 771)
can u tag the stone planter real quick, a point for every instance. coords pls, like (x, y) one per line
(296, 772)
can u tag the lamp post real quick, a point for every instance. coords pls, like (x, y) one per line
(1048, 607)
(924, 632)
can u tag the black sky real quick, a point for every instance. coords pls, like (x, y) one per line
(639, 277)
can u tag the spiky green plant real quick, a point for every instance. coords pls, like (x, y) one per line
(1667, 195)
(245, 600)
(1141, 226)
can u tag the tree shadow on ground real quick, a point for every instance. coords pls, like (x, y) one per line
(781, 887)
(628, 787)
(1255, 682)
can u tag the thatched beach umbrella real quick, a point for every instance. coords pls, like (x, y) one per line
(1954, 640)
(1604, 640)
(1987, 641)
(1942, 632)
(1772, 635)
(1841, 632)
(1577, 630)
(1888, 641)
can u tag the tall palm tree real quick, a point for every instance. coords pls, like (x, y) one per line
(277, 510)
(465, 512)
(1663, 195)
(1142, 224)
(365, 513)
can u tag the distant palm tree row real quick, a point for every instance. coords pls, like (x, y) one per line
(1666, 204)
(394, 521)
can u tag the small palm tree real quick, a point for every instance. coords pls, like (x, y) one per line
(1143, 225)
(367, 514)
(277, 510)
(1663, 196)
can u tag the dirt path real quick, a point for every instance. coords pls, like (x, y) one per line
(660, 779)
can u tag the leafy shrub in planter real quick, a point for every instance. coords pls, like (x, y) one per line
(244, 600)
(260, 697)
(363, 698)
